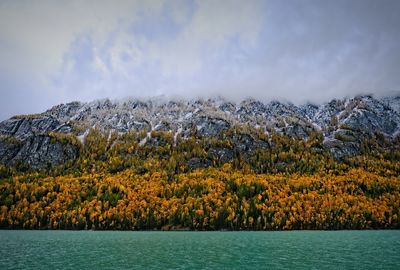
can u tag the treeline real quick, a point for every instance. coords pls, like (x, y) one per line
(247, 150)
(238, 180)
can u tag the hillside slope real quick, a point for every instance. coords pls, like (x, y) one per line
(34, 140)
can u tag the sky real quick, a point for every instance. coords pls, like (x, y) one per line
(55, 52)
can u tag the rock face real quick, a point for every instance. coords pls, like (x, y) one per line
(37, 152)
(25, 127)
(25, 141)
(344, 123)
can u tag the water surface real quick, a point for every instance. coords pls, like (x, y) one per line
(200, 250)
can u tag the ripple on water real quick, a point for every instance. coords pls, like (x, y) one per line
(200, 250)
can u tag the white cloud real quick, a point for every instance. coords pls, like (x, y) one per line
(138, 62)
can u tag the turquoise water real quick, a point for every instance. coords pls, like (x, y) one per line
(200, 250)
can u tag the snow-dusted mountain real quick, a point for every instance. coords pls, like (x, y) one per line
(341, 121)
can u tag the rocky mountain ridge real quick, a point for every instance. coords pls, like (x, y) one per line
(29, 139)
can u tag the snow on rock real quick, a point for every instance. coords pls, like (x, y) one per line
(340, 118)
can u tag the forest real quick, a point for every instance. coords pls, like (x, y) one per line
(140, 181)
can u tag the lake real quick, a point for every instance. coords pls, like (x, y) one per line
(199, 250)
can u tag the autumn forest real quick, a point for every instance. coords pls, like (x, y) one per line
(173, 183)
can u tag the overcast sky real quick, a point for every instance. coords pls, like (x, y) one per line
(300, 50)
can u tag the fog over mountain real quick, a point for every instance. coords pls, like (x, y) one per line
(56, 52)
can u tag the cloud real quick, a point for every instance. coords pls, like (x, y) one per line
(37, 40)
(56, 52)
(162, 52)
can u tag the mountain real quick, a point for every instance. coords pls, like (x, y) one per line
(37, 141)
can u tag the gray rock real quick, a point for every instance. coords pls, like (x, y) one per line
(197, 163)
(342, 121)
(25, 127)
(207, 126)
(37, 152)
